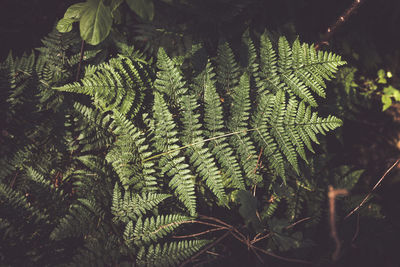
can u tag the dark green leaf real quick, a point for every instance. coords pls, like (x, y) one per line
(248, 209)
(95, 23)
(143, 8)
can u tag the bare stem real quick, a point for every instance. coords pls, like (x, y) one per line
(372, 190)
(340, 20)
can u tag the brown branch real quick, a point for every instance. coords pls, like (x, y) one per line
(299, 221)
(205, 249)
(237, 235)
(332, 194)
(369, 194)
(216, 220)
(257, 238)
(249, 245)
(341, 19)
(200, 233)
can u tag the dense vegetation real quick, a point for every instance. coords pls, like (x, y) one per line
(198, 133)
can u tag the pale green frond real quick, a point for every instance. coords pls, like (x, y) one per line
(155, 228)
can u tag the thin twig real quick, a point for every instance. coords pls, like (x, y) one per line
(237, 235)
(357, 228)
(216, 220)
(80, 61)
(249, 245)
(258, 160)
(14, 179)
(332, 194)
(184, 222)
(200, 233)
(343, 18)
(369, 194)
(257, 238)
(205, 249)
(299, 221)
(255, 252)
(220, 136)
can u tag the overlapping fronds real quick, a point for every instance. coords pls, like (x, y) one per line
(203, 136)
(169, 254)
(154, 229)
(116, 85)
(130, 206)
(172, 163)
(298, 69)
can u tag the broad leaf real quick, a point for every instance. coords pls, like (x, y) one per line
(65, 25)
(73, 14)
(95, 23)
(143, 8)
(386, 101)
(248, 209)
(75, 11)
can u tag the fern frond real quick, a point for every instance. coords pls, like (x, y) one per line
(16, 208)
(298, 69)
(172, 164)
(155, 228)
(237, 122)
(262, 134)
(291, 125)
(84, 217)
(227, 69)
(213, 120)
(268, 65)
(117, 85)
(169, 78)
(249, 56)
(130, 206)
(87, 55)
(169, 254)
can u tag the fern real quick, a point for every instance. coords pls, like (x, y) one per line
(228, 69)
(169, 254)
(128, 206)
(154, 229)
(172, 164)
(115, 85)
(203, 136)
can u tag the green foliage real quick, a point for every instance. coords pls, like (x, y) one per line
(135, 151)
(169, 254)
(96, 17)
(192, 144)
(143, 8)
(381, 86)
(117, 85)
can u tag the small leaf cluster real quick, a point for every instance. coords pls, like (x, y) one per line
(96, 17)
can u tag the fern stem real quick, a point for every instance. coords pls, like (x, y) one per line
(222, 136)
(197, 143)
